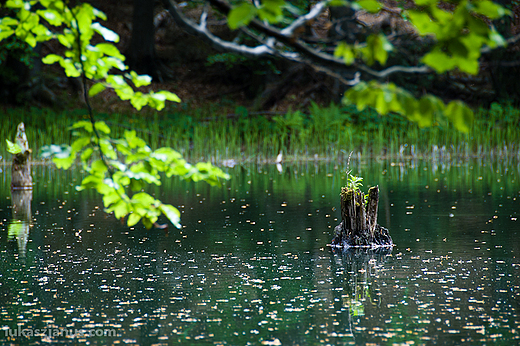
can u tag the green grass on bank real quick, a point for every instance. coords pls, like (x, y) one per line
(320, 132)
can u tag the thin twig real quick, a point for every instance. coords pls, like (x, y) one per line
(89, 108)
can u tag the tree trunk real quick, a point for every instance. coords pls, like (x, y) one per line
(21, 178)
(141, 56)
(358, 227)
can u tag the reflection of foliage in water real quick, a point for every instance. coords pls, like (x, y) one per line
(359, 266)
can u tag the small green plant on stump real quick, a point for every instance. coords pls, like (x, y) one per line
(359, 227)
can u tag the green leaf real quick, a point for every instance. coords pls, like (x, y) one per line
(51, 59)
(377, 49)
(107, 34)
(147, 222)
(51, 16)
(86, 154)
(82, 124)
(438, 60)
(372, 6)
(173, 214)
(102, 127)
(80, 143)
(241, 15)
(108, 149)
(120, 209)
(134, 141)
(65, 162)
(425, 2)
(271, 11)
(495, 39)
(168, 96)
(4, 33)
(144, 199)
(345, 51)
(98, 168)
(140, 80)
(13, 148)
(422, 21)
(460, 115)
(96, 89)
(489, 9)
(15, 4)
(110, 198)
(136, 185)
(110, 50)
(133, 219)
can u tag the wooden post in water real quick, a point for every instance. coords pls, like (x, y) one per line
(359, 227)
(21, 178)
(21, 190)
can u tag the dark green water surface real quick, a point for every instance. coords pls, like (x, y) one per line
(251, 264)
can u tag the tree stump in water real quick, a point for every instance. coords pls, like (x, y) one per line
(359, 227)
(21, 178)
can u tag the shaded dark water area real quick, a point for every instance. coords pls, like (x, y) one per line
(251, 264)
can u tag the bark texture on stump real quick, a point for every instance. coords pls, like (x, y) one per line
(359, 227)
(21, 178)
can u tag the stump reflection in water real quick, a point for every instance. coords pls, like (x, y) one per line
(19, 226)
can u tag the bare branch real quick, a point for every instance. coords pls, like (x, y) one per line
(394, 69)
(509, 41)
(315, 12)
(301, 52)
(215, 41)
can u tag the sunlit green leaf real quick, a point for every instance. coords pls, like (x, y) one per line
(168, 96)
(4, 33)
(13, 148)
(459, 115)
(86, 154)
(133, 219)
(140, 80)
(96, 89)
(172, 213)
(98, 167)
(372, 6)
(80, 143)
(345, 51)
(64, 163)
(489, 9)
(271, 11)
(107, 34)
(241, 15)
(102, 127)
(82, 124)
(120, 209)
(111, 50)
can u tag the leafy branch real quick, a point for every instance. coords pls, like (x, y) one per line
(458, 37)
(118, 169)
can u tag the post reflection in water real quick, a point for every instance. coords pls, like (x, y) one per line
(355, 270)
(19, 226)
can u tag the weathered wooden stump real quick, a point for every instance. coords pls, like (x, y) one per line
(21, 178)
(21, 190)
(359, 227)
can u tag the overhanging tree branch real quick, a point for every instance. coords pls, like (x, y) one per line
(300, 51)
(216, 42)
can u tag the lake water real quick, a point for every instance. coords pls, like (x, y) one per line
(251, 264)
